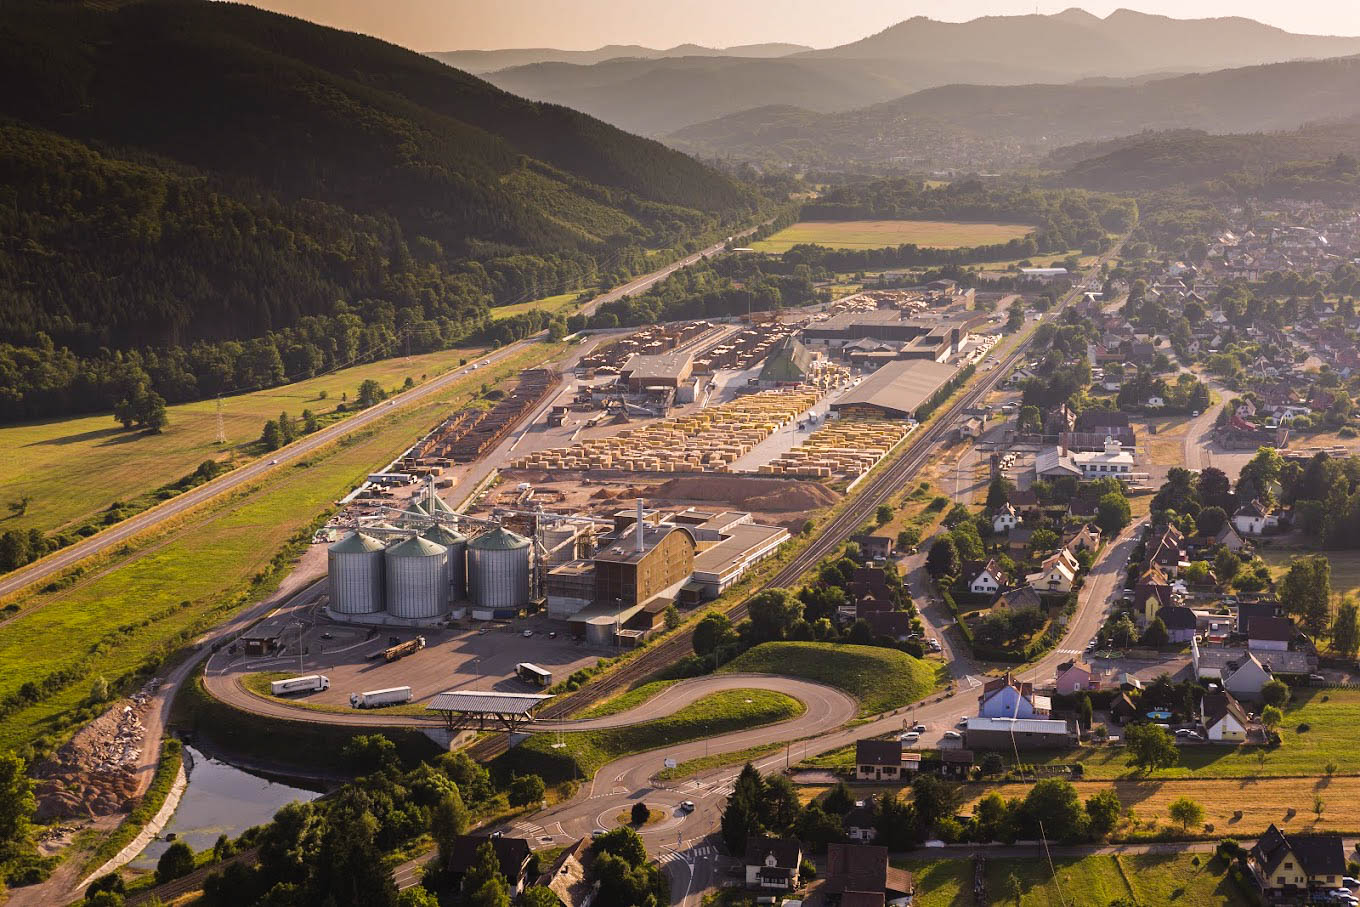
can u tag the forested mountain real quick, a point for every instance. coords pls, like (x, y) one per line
(1317, 161)
(257, 196)
(985, 126)
(479, 62)
(659, 96)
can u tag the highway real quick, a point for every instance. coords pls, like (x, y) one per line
(48, 567)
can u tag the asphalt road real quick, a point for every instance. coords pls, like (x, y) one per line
(42, 570)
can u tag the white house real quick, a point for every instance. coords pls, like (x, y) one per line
(1248, 679)
(1004, 697)
(773, 863)
(1006, 518)
(1254, 519)
(1223, 717)
(1056, 574)
(1270, 634)
(989, 580)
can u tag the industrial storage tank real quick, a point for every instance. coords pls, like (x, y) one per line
(417, 579)
(498, 570)
(354, 567)
(457, 545)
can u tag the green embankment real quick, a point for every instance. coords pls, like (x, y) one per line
(585, 751)
(130, 609)
(881, 679)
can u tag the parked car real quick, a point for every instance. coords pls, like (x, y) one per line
(963, 721)
(527, 633)
(919, 728)
(910, 737)
(952, 735)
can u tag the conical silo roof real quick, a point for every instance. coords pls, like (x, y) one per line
(499, 539)
(356, 543)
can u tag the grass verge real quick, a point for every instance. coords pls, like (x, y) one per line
(718, 760)
(133, 607)
(115, 465)
(626, 700)
(881, 679)
(878, 234)
(585, 752)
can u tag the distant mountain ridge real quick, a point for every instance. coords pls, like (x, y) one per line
(664, 95)
(986, 126)
(480, 62)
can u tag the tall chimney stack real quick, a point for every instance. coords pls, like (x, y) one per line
(639, 526)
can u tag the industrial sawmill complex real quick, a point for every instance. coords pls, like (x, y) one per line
(583, 506)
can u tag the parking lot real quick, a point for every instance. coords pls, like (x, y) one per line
(472, 657)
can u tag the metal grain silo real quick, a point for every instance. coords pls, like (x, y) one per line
(498, 570)
(457, 545)
(354, 567)
(417, 579)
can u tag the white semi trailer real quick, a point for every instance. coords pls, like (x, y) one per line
(310, 683)
(373, 699)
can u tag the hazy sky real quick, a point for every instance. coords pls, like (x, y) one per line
(585, 24)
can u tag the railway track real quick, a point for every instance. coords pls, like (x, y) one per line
(832, 534)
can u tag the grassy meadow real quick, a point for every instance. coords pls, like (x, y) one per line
(143, 600)
(74, 468)
(584, 752)
(1093, 881)
(562, 303)
(876, 234)
(881, 679)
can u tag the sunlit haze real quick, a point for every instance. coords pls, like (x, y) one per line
(584, 24)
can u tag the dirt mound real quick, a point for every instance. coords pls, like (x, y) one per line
(765, 495)
(95, 773)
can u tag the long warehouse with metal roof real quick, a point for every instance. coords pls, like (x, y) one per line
(897, 390)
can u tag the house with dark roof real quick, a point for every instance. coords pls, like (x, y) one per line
(896, 624)
(1287, 866)
(512, 853)
(878, 760)
(1122, 708)
(1270, 633)
(1254, 518)
(1019, 597)
(1246, 678)
(773, 863)
(860, 822)
(985, 578)
(1180, 622)
(1246, 611)
(1224, 719)
(566, 877)
(859, 874)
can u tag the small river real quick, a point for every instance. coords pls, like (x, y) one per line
(220, 799)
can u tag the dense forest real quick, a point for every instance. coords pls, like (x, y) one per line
(206, 197)
(1317, 162)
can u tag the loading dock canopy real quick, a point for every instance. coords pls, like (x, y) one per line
(462, 707)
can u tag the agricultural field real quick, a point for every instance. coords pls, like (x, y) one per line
(881, 679)
(140, 603)
(584, 752)
(42, 460)
(1093, 881)
(1241, 807)
(1318, 730)
(1345, 565)
(561, 304)
(877, 234)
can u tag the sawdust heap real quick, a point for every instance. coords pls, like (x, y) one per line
(762, 495)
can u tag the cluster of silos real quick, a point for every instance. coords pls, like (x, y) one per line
(498, 570)
(416, 577)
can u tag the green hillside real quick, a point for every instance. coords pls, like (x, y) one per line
(183, 175)
(879, 678)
